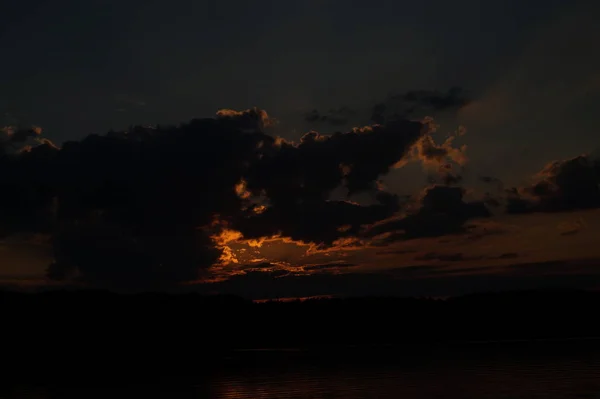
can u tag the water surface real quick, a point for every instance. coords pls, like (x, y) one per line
(518, 372)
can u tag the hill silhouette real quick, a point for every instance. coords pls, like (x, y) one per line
(79, 331)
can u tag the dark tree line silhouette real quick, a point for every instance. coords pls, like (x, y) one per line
(62, 331)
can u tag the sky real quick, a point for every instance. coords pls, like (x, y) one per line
(499, 190)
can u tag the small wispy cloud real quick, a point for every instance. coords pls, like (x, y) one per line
(126, 102)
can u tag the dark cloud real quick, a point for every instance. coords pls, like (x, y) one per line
(253, 119)
(416, 271)
(125, 103)
(319, 163)
(110, 255)
(561, 186)
(563, 268)
(140, 208)
(298, 180)
(412, 104)
(445, 175)
(444, 162)
(442, 211)
(461, 257)
(572, 227)
(569, 233)
(330, 266)
(491, 179)
(28, 190)
(439, 280)
(15, 139)
(335, 116)
(419, 104)
(430, 271)
(454, 257)
(451, 178)
(453, 99)
(497, 198)
(508, 255)
(320, 222)
(378, 113)
(135, 207)
(396, 251)
(491, 200)
(386, 238)
(478, 232)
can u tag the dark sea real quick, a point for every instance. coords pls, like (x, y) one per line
(522, 370)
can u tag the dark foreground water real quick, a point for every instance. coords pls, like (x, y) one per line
(518, 371)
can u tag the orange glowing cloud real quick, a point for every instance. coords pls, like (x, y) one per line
(237, 250)
(433, 155)
(226, 236)
(221, 240)
(240, 190)
(250, 118)
(259, 209)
